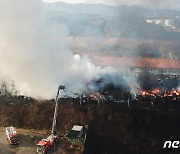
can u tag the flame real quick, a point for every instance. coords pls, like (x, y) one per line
(156, 92)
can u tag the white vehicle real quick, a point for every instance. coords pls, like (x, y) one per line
(12, 135)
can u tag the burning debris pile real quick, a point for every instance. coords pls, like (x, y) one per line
(157, 90)
(149, 91)
(157, 98)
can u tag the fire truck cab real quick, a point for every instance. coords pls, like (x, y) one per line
(45, 144)
(12, 135)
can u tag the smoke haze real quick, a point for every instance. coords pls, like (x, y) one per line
(160, 4)
(34, 56)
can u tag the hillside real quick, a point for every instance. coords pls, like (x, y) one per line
(111, 21)
(113, 128)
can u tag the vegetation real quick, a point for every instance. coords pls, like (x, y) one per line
(113, 128)
(112, 21)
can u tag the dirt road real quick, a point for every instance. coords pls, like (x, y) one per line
(27, 142)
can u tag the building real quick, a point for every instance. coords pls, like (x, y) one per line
(168, 24)
(74, 140)
(141, 65)
(76, 135)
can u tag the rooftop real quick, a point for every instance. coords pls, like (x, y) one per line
(157, 63)
(77, 128)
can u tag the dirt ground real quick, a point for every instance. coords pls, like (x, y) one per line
(27, 142)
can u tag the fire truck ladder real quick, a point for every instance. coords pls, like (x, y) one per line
(61, 87)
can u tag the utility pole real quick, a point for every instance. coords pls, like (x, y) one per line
(81, 99)
(61, 87)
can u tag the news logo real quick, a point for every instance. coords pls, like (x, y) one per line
(171, 144)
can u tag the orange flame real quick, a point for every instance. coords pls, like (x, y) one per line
(157, 91)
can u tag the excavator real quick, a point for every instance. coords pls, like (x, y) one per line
(45, 144)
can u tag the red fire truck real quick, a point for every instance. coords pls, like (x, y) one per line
(12, 135)
(45, 144)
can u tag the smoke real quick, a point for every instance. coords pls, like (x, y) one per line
(160, 4)
(34, 55)
(148, 3)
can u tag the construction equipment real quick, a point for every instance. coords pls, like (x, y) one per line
(12, 135)
(45, 144)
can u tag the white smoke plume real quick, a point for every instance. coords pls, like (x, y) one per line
(34, 54)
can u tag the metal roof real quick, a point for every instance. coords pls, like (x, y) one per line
(157, 63)
(77, 128)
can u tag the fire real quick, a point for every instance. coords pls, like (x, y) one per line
(156, 92)
(96, 96)
(176, 92)
(150, 93)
